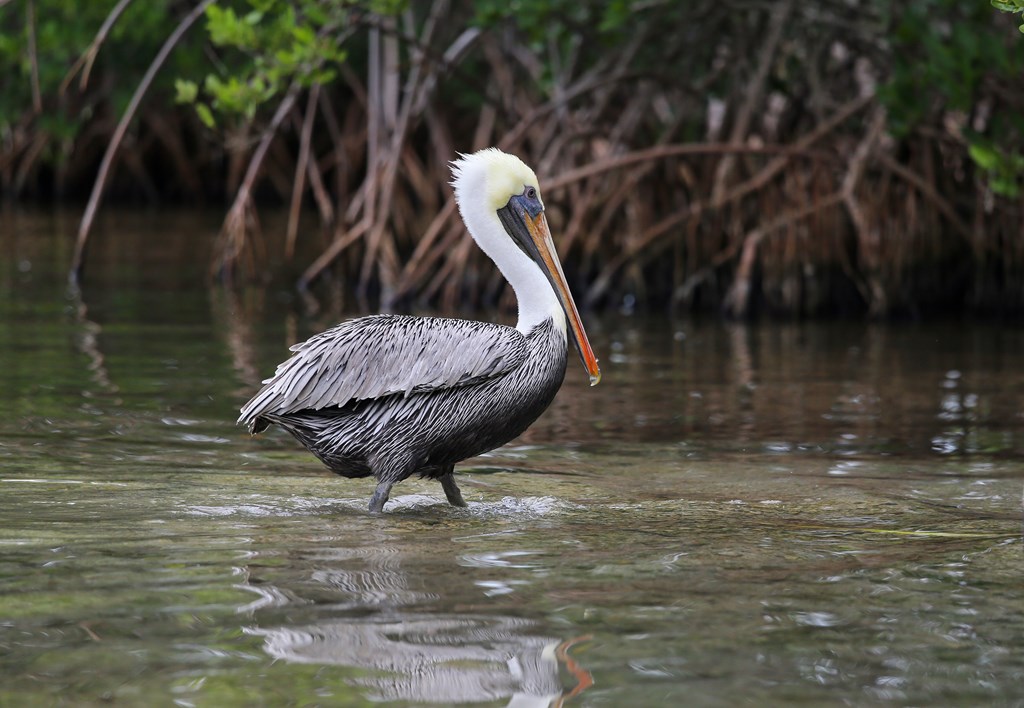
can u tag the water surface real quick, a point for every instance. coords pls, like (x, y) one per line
(818, 513)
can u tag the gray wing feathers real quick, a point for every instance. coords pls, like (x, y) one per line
(378, 356)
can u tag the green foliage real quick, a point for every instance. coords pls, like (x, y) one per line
(227, 29)
(540, 19)
(945, 53)
(64, 30)
(588, 32)
(1002, 168)
(268, 44)
(941, 49)
(1015, 7)
(185, 91)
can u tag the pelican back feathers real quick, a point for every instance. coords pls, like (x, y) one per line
(429, 430)
(391, 395)
(382, 355)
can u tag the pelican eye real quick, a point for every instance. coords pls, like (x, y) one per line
(531, 193)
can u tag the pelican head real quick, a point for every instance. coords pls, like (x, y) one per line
(499, 199)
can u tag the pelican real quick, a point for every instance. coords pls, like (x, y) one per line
(392, 395)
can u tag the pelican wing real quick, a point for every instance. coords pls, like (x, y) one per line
(382, 355)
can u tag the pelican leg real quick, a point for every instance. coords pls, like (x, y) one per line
(380, 495)
(451, 490)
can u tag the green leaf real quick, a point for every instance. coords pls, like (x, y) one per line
(983, 156)
(304, 34)
(185, 91)
(1005, 186)
(226, 29)
(206, 115)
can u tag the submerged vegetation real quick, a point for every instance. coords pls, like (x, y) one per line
(859, 156)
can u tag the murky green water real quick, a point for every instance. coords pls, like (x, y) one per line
(797, 513)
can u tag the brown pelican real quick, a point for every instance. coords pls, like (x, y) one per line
(392, 395)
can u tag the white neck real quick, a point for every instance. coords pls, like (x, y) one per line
(537, 301)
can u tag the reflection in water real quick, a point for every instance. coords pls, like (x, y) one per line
(87, 340)
(431, 657)
(848, 389)
(426, 656)
(800, 513)
(234, 320)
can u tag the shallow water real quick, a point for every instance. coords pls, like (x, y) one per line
(824, 513)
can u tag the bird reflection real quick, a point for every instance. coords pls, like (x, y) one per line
(438, 658)
(413, 655)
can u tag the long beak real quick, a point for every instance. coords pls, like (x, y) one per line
(548, 260)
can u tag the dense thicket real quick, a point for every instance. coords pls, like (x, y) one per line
(733, 155)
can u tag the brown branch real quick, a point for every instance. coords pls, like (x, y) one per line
(737, 300)
(28, 160)
(87, 59)
(661, 152)
(78, 259)
(300, 172)
(420, 261)
(233, 231)
(694, 209)
(415, 85)
(333, 251)
(868, 240)
(754, 94)
(928, 192)
(337, 138)
(323, 201)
